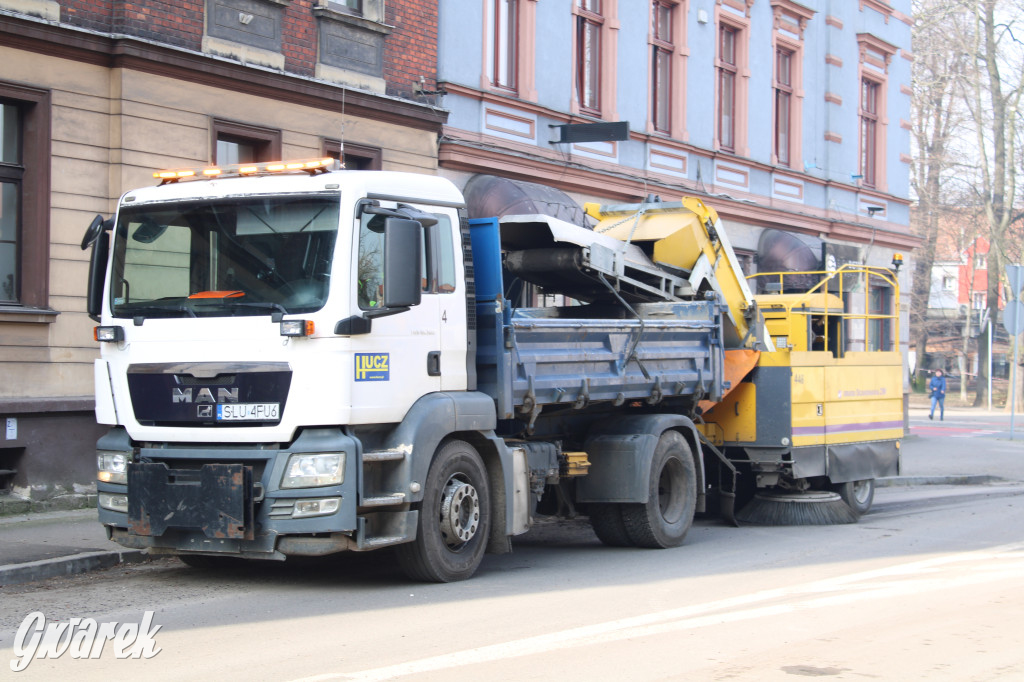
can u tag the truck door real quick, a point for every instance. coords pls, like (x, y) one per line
(396, 363)
(450, 285)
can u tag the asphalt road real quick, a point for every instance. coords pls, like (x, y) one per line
(926, 586)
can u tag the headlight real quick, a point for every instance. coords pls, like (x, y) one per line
(112, 466)
(312, 471)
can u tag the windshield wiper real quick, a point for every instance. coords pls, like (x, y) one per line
(149, 308)
(268, 305)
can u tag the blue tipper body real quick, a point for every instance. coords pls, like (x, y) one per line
(546, 356)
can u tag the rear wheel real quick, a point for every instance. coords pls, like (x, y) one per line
(858, 495)
(606, 519)
(454, 519)
(666, 517)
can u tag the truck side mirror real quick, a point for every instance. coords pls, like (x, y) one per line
(97, 273)
(403, 255)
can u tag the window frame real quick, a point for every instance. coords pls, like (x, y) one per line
(503, 42)
(728, 74)
(369, 158)
(663, 49)
(33, 222)
(589, 20)
(870, 120)
(266, 142)
(785, 91)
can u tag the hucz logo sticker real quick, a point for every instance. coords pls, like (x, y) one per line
(373, 366)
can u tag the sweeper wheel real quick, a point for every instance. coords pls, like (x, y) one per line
(857, 494)
(784, 508)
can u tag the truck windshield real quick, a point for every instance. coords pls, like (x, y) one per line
(223, 257)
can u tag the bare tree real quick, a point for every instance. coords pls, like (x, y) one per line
(993, 85)
(937, 117)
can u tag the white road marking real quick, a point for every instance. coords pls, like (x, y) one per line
(1000, 563)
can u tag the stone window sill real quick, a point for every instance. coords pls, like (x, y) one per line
(352, 20)
(25, 315)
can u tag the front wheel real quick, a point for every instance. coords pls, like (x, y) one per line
(858, 495)
(454, 518)
(666, 517)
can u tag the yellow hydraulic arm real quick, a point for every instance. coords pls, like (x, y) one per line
(688, 236)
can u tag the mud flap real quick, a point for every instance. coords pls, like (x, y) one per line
(217, 499)
(726, 497)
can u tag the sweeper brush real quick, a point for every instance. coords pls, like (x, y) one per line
(813, 508)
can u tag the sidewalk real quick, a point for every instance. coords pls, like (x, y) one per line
(51, 544)
(969, 447)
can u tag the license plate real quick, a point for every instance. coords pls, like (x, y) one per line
(249, 412)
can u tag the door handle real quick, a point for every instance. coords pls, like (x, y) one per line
(434, 363)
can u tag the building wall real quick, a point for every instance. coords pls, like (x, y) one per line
(121, 107)
(820, 194)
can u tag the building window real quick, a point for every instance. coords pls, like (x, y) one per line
(949, 283)
(978, 300)
(980, 261)
(783, 105)
(350, 6)
(12, 173)
(242, 143)
(503, 43)
(355, 156)
(589, 22)
(24, 196)
(663, 49)
(869, 131)
(875, 58)
(727, 73)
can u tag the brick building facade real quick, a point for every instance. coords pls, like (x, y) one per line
(95, 95)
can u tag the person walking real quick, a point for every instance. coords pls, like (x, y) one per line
(938, 388)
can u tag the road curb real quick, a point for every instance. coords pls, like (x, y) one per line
(16, 574)
(966, 479)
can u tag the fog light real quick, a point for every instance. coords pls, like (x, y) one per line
(118, 503)
(297, 327)
(108, 334)
(323, 507)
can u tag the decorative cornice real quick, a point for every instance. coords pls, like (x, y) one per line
(882, 8)
(798, 14)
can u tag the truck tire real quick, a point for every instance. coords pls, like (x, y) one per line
(858, 495)
(606, 519)
(666, 517)
(454, 518)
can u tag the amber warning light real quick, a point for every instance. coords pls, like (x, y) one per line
(311, 166)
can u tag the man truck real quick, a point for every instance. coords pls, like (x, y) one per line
(297, 361)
